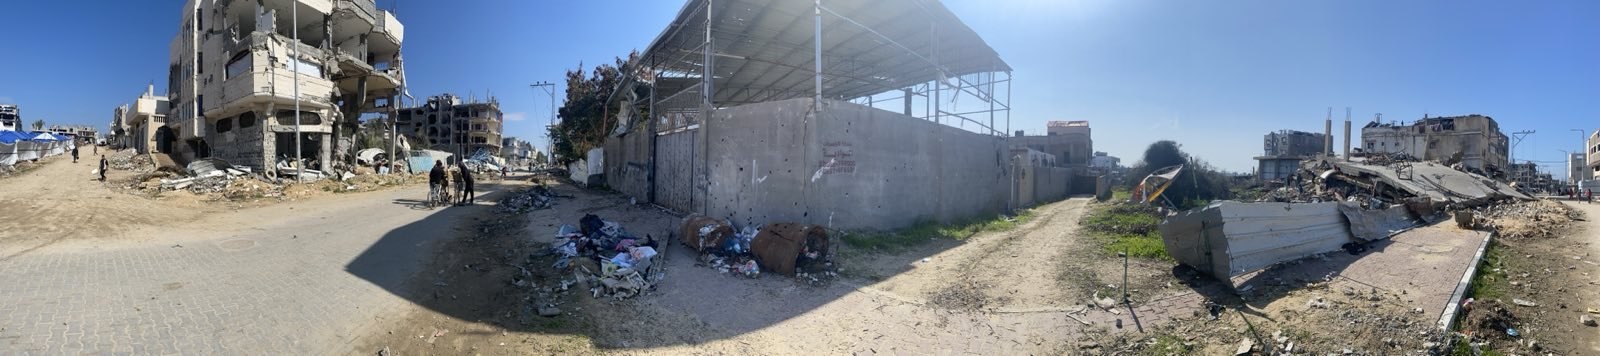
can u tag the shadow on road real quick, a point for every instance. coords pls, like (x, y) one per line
(471, 275)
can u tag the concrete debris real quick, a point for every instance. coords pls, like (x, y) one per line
(536, 198)
(1540, 218)
(130, 160)
(1524, 302)
(1244, 347)
(1332, 204)
(1587, 320)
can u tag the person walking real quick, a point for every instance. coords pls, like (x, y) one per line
(468, 196)
(103, 166)
(1588, 196)
(74, 153)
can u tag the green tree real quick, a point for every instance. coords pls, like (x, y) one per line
(585, 118)
(539, 158)
(38, 125)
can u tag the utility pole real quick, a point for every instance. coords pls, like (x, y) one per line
(300, 164)
(550, 141)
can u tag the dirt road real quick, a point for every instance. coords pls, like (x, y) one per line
(62, 199)
(89, 270)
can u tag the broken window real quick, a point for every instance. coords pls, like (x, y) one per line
(305, 67)
(240, 64)
(286, 117)
(247, 119)
(224, 125)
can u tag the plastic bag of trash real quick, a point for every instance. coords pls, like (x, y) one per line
(568, 231)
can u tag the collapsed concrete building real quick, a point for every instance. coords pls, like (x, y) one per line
(445, 123)
(135, 126)
(1283, 151)
(1339, 202)
(822, 113)
(1474, 141)
(238, 77)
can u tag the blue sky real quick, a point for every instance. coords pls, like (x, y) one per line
(1212, 75)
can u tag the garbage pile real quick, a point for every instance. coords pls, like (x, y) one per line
(1539, 218)
(612, 261)
(789, 249)
(537, 198)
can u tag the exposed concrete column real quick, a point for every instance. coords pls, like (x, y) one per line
(1327, 136)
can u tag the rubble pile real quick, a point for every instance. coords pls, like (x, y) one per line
(537, 198)
(130, 160)
(1425, 186)
(1539, 218)
(1488, 319)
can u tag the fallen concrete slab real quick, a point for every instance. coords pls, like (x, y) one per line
(1230, 238)
(1377, 224)
(1436, 182)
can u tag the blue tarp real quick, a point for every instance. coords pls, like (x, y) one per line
(11, 136)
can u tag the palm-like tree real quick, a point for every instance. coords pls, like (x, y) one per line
(38, 125)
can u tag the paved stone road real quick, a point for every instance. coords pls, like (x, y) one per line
(306, 283)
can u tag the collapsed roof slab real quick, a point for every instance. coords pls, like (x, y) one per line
(1436, 182)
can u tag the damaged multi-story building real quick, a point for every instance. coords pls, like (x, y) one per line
(238, 75)
(445, 123)
(10, 117)
(1282, 151)
(516, 152)
(1474, 141)
(134, 126)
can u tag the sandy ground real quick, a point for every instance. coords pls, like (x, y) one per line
(1561, 274)
(62, 200)
(61, 203)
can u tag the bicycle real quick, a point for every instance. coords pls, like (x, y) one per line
(438, 196)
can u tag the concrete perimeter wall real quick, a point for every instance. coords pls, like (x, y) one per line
(851, 167)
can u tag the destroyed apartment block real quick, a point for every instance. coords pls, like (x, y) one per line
(1335, 203)
(446, 123)
(258, 83)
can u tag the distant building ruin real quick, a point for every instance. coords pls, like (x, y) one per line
(1474, 141)
(10, 117)
(447, 124)
(1282, 152)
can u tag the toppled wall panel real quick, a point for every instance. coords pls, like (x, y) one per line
(1231, 238)
(1377, 224)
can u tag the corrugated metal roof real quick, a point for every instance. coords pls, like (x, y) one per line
(765, 50)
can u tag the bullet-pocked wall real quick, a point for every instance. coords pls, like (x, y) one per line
(849, 167)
